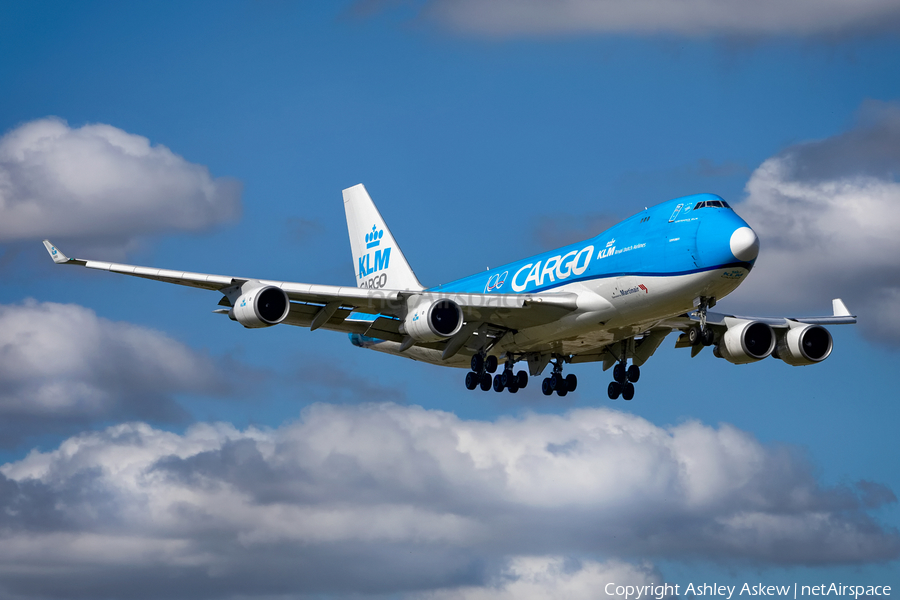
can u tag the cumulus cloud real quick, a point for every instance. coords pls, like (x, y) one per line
(391, 499)
(689, 18)
(98, 181)
(62, 366)
(827, 214)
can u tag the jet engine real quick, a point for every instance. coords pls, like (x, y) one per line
(261, 307)
(804, 345)
(433, 321)
(746, 342)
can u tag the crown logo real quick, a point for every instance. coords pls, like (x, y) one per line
(373, 239)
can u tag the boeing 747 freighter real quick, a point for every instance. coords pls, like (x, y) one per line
(610, 299)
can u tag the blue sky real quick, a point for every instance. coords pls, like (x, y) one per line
(483, 135)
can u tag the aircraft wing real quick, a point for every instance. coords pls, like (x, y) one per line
(329, 306)
(841, 316)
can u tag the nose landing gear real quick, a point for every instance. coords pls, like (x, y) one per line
(702, 334)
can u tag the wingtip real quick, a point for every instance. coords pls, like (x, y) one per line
(840, 309)
(55, 253)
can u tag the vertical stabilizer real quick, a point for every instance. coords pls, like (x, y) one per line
(377, 258)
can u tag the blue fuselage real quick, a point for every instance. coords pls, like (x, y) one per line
(679, 237)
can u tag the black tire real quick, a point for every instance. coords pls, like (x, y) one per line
(555, 381)
(472, 380)
(614, 390)
(507, 377)
(627, 391)
(522, 379)
(619, 372)
(490, 364)
(571, 382)
(634, 373)
(486, 382)
(513, 388)
(545, 386)
(498, 383)
(694, 336)
(562, 391)
(708, 337)
(477, 363)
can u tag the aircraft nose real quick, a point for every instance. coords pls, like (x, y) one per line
(744, 244)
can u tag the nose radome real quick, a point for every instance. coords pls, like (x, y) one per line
(744, 244)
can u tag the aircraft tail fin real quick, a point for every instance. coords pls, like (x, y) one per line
(377, 258)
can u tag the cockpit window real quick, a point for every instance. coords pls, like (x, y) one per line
(713, 203)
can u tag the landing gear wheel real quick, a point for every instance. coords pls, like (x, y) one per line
(634, 373)
(614, 390)
(693, 336)
(507, 377)
(562, 391)
(472, 380)
(498, 383)
(477, 362)
(707, 337)
(627, 391)
(619, 372)
(555, 381)
(522, 379)
(571, 382)
(486, 382)
(545, 386)
(490, 364)
(513, 388)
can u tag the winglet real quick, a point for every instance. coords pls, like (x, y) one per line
(58, 257)
(55, 253)
(840, 309)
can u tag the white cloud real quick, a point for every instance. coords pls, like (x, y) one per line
(554, 577)
(827, 214)
(392, 499)
(690, 18)
(100, 181)
(61, 366)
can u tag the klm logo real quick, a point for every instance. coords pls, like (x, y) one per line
(373, 262)
(374, 239)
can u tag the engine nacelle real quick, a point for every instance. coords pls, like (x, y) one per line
(261, 307)
(746, 342)
(433, 321)
(804, 345)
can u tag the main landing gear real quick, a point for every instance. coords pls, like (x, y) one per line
(557, 383)
(624, 380)
(480, 375)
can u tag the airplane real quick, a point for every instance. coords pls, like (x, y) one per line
(609, 299)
